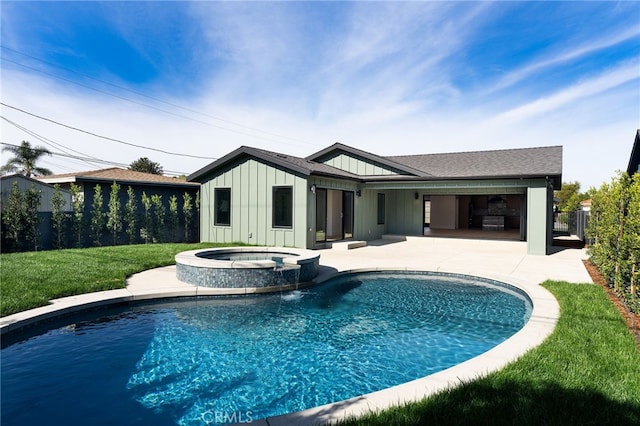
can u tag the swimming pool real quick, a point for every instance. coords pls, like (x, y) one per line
(206, 360)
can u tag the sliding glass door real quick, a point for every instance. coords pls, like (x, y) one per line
(334, 214)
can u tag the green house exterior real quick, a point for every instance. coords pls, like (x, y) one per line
(262, 197)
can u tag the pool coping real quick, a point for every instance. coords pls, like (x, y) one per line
(296, 257)
(544, 316)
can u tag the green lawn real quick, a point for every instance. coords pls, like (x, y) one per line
(31, 279)
(586, 373)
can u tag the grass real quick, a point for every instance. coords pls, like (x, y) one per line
(587, 372)
(31, 279)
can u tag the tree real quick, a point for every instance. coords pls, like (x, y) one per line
(130, 216)
(187, 211)
(77, 203)
(144, 165)
(97, 215)
(570, 197)
(159, 212)
(12, 216)
(58, 215)
(114, 215)
(173, 217)
(146, 232)
(31, 200)
(24, 160)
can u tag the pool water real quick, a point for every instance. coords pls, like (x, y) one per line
(206, 361)
(244, 256)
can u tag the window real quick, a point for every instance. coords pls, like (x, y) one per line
(222, 200)
(381, 209)
(282, 207)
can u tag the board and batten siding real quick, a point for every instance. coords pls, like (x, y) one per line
(404, 213)
(251, 183)
(366, 215)
(357, 166)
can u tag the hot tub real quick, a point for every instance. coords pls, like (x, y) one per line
(262, 268)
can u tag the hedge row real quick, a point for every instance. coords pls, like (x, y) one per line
(614, 229)
(111, 219)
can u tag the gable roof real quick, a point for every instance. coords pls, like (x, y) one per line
(634, 160)
(114, 174)
(298, 165)
(338, 148)
(507, 163)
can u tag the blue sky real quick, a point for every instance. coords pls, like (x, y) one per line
(202, 78)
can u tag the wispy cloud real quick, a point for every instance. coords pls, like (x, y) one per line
(575, 52)
(609, 79)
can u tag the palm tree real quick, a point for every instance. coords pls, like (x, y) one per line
(24, 160)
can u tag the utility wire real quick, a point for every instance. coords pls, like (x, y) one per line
(47, 140)
(105, 162)
(148, 97)
(105, 137)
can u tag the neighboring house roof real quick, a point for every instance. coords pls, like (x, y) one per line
(634, 160)
(508, 163)
(24, 183)
(115, 174)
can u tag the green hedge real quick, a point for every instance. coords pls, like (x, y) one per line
(614, 229)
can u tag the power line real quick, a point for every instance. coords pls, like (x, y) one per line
(105, 162)
(148, 97)
(46, 140)
(106, 137)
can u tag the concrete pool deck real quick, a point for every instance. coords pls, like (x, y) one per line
(505, 261)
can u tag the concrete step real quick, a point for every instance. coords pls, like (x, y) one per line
(348, 245)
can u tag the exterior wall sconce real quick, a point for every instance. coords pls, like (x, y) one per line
(359, 193)
(313, 188)
(415, 195)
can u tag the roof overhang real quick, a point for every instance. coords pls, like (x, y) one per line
(237, 155)
(338, 148)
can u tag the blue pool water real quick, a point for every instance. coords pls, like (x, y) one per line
(204, 361)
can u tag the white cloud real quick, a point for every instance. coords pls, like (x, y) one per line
(607, 80)
(575, 52)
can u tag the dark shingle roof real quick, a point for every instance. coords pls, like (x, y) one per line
(523, 162)
(508, 163)
(386, 162)
(634, 159)
(289, 162)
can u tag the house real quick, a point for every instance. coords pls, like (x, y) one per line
(44, 209)
(24, 183)
(147, 183)
(634, 161)
(585, 205)
(342, 193)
